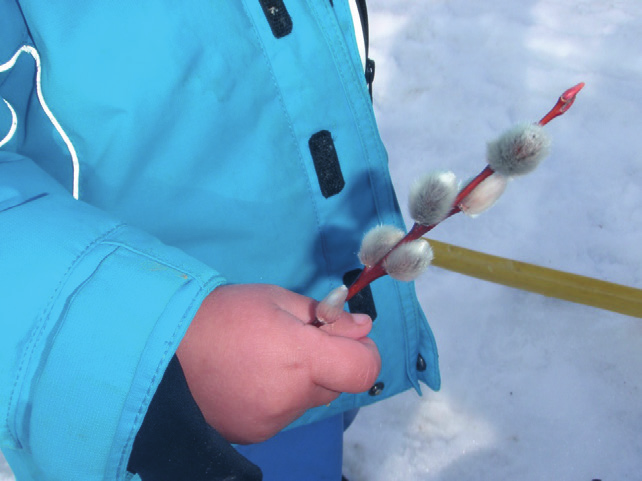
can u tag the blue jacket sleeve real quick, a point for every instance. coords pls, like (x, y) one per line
(91, 310)
(91, 314)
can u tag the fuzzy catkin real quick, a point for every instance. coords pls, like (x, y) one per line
(331, 307)
(431, 198)
(484, 196)
(407, 261)
(519, 150)
(377, 243)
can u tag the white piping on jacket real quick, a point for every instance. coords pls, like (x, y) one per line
(358, 30)
(14, 125)
(72, 151)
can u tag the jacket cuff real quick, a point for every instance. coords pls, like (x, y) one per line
(175, 442)
(93, 313)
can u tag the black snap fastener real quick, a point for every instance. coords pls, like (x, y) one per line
(370, 70)
(421, 363)
(376, 389)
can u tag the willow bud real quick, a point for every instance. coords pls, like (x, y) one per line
(407, 261)
(519, 150)
(431, 198)
(484, 196)
(331, 307)
(378, 242)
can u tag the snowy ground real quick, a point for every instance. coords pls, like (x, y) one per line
(533, 388)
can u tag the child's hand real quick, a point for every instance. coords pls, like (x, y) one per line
(254, 363)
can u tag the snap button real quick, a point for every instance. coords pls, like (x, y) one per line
(421, 363)
(376, 389)
(370, 71)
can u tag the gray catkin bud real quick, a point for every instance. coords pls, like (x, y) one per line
(378, 242)
(431, 198)
(331, 307)
(519, 150)
(409, 260)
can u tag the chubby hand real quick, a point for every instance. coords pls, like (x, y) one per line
(254, 363)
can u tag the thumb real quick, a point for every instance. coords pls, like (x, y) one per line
(344, 365)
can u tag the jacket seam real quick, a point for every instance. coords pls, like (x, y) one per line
(124, 457)
(302, 164)
(336, 41)
(160, 260)
(38, 330)
(23, 202)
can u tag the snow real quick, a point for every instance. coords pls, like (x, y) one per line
(533, 388)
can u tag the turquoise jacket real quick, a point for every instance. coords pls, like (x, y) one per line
(149, 152)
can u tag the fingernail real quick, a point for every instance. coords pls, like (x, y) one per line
(361, 319)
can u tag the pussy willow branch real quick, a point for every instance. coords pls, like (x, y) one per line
(372, 273)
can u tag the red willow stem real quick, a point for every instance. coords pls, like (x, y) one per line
(372, 273)
(563, 104)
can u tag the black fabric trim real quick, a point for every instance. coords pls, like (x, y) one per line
(362, 302)
(370, 64)
(277, 16)
(365, 28)
(175, 443)
(326, 163)
(363, 15)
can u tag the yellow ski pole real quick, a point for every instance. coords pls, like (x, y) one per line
(541, 280)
